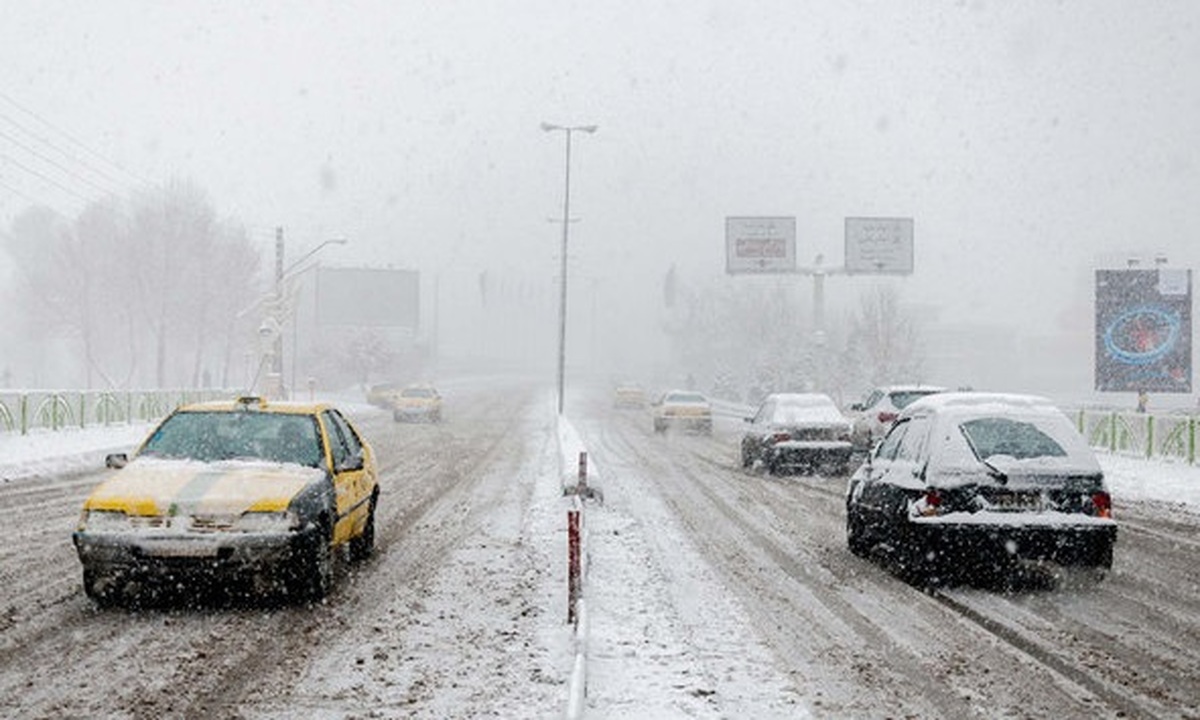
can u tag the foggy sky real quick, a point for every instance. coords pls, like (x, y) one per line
(1029, 141)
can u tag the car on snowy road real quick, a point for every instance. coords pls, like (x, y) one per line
(684, 410)
(416, 403)
(874, 414)
(802, 432)
(260, 492)
(981, 483)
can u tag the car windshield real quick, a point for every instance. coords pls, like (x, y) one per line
(417, 393)
(689, 398)
(903, 398)
(1018, 439)
(214, 436)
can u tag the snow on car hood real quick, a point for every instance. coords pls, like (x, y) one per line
(154, 486)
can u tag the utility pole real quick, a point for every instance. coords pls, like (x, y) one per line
(277, 360)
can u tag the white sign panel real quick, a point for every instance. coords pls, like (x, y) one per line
(880, 246)
(760, 244)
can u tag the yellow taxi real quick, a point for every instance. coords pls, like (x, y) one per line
(247, 490)
(417, 403)
(629, 395)
(683, 409)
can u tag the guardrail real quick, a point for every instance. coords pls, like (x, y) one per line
(25, 410)
(1147, 435)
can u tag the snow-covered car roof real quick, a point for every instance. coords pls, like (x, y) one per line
(954, 448)
(806, 408)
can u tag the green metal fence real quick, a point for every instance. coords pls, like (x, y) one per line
(1144, 435)
(25, 410)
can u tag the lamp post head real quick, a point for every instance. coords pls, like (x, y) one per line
(550, 127)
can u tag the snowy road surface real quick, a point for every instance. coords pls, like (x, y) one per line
(713, 593)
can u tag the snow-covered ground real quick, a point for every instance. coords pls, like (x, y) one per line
(665, 640)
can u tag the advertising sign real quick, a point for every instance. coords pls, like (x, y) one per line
(368, 297)
(760, 244)
(1144, 331)
(879, 246)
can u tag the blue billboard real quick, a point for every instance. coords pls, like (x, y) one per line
(1144, 330)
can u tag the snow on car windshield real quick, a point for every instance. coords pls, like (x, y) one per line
(417, 393)
(1029, 439)
(216, 436)
(687, 398)
(810, 411)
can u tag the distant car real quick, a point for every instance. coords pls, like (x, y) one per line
(874, 414)
(980, 482)
(629, 396)
(683, 409)
(223, 492)
(803, 432)
(380, 394)
(416, 403)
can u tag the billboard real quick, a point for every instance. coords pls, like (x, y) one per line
(368, 297)
(760, 245)
(1144, 330)
(879, 246)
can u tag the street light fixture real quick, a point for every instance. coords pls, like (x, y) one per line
(567, 130)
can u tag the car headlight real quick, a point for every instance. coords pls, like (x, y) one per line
(104, 521)
(267, 522)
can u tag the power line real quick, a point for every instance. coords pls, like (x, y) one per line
(44, 177)
(54, 163)
(136, 178)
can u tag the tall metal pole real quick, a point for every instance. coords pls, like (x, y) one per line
(566, 224)
(562, 278)
(277, 361)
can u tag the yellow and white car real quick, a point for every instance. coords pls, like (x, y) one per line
(246, 490)
(418, 402)
(683, 409)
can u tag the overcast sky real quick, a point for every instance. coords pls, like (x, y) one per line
(1027, 140)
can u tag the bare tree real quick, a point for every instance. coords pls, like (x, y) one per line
(164, 280)
(883, 345)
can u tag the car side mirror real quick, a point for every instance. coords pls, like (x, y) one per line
(857, 407)
(116, 461)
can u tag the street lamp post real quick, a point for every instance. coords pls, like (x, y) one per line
(281, 273)
(566, 224)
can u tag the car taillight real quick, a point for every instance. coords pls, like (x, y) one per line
(886, 417)
(928, 505)
(779, 437)
(1102, 504)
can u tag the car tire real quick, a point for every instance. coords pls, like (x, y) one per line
(101, 588)
(774, 466)
(856, 538)
(747, 457)
(396, 416)
(312, 578)
(363, 546)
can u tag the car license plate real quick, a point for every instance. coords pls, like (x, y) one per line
(1016, 500)
(179, 549)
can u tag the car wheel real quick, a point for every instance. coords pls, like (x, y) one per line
(362, 546)
(396, 416)
(774, 466)
(747, 457)
(313, 576)
(856, 538)
(101, 587)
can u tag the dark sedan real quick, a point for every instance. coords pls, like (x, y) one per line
(977, 483)
(798, 432)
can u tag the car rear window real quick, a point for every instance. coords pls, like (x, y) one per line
(990, 436)
(905, 398)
